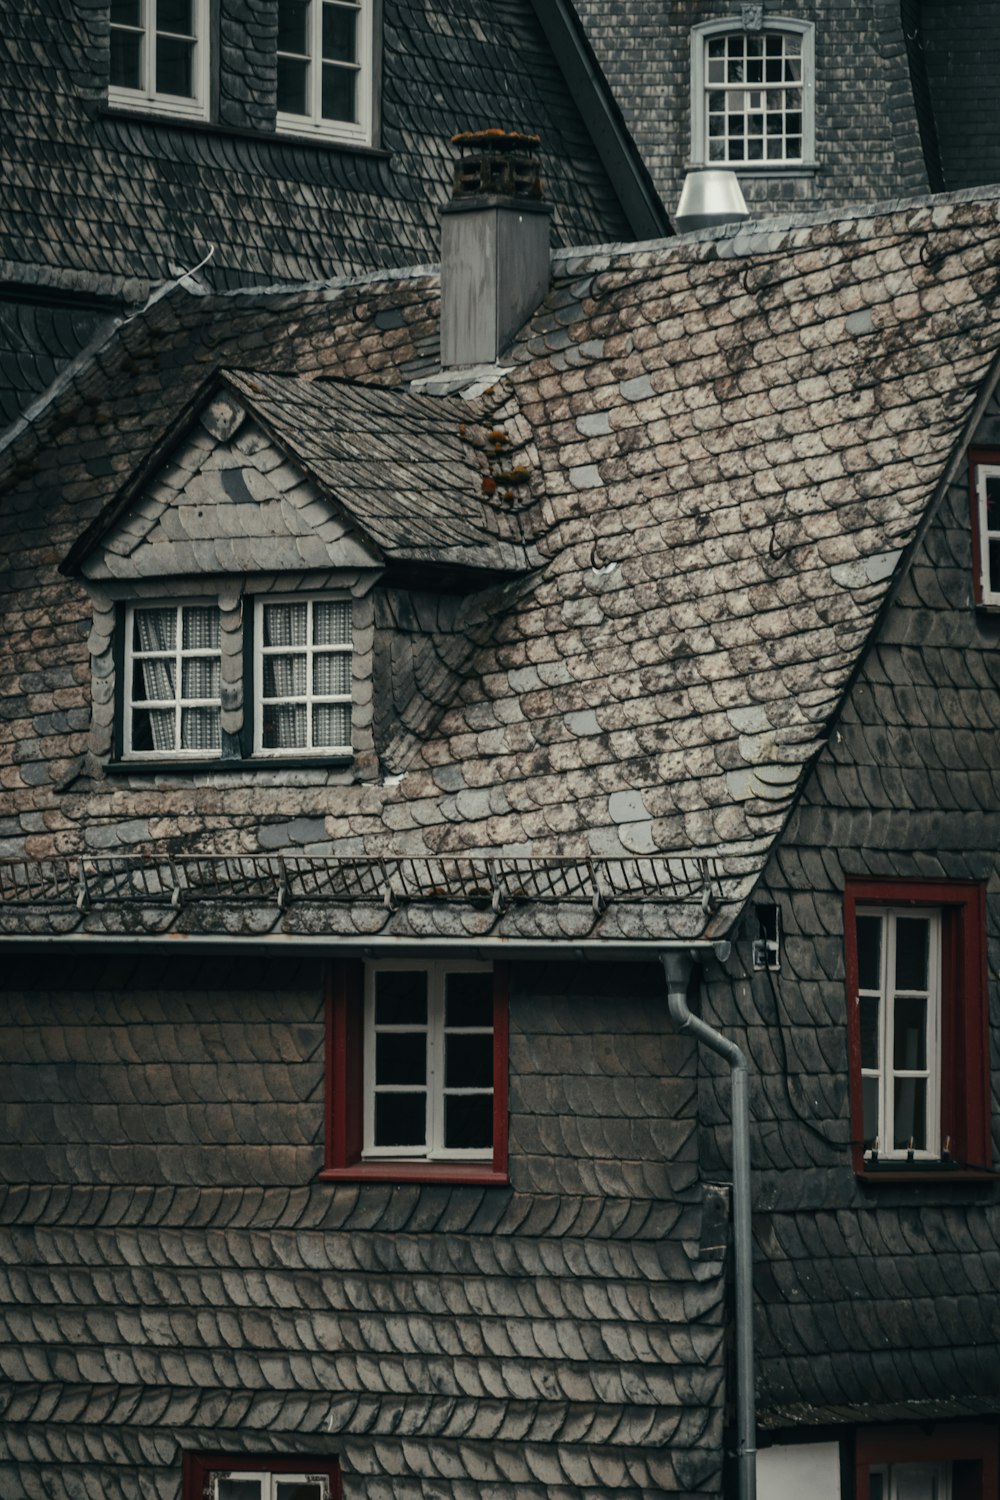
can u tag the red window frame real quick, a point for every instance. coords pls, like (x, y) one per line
(965, 1098)
(345, 1091)
(198, 1468)
(971, 1446)
(978, 457)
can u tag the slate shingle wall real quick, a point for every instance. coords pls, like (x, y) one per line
(867, 143)
(874, 1297)
(961, 50)
(174, 1277)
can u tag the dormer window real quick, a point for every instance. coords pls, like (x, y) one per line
(752, 94)
(302, 687)
(159, 56)
(985, 486)
(173, 671)
(325, 68)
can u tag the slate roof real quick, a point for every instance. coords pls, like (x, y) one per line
(737, 439)
(113, 203)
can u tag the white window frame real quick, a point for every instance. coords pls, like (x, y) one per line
(886, 1073)
(434, 1148)
(267, 1479)
(359, 132)
(707, 31)
(984, 472)
(260, 651)
(178, 703)
(146, 97)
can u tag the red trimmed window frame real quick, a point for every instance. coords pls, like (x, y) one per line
(971, 1446)
(198, 1468)
(977, 458)
(345, 1084)
(964, 1081)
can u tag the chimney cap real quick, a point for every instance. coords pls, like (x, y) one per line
(497, 164)
(496, 140)
(710, 197)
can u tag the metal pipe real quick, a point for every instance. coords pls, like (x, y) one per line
(677, 968)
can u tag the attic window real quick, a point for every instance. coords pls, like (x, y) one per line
(325, 68)
(752, 95)
(173, 668)
(985, 488)
(159, 56)
(302, 687)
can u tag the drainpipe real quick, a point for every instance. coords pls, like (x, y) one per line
(677, 968)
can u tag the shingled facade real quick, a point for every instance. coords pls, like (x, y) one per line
(673, 631)
(109, 194)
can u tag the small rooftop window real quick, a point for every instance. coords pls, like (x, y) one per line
(159, 56)
(752, 95)
(325, 66)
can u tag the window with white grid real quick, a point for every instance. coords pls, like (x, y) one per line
(428, 1063)
(159, 55)
(267, 1486)
(302, 672)
(173, 671)
(899, 1012)
(987, 500)
(751, 104)
(325, 67)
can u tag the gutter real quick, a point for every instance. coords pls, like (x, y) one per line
(677, 969)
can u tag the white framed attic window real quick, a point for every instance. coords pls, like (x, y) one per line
(986, 530)
(269, 1486)
(303, 664)
(159, 56)
(173, 698)
(325, 59)
(752, 95)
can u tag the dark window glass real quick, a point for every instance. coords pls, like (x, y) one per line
(126, 59)
(401, 997)
(773, 70)
(340, 34)
(994, 567)
(468, 1060)
(869, 1008)
(126, 13)
(339, 89)
(910, 1113)
(869, 952)
(175, 16)
(469, 1000)
(468, 1121)
(400, 1119)
(912, 938)
(736, 147)
(297, 1489)
(293, 16)
(869, 1110)
(239, 1489)
(909, 1045)
(993, 502)
(174, 67)
(292, 76)
(400, 1057)
(142, 731)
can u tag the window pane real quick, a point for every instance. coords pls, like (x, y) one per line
(912, 939)
(200, 729)
(994, 581)
(400, 1119)
(299, 1489)
(284, 624)
(153, 729)
(339, 88)
(400, 1057)
(331, 673)
(469, 999)
(201, 628)
(339, 33)
(468, 1060)
(910, 1113)
(869, 1111)
(284, 676)
(332, 622)
(331, 724)
(401, 997)
(155, 629)
(909, 1048)
(126, 59)
(993, 502)
(468, 1121)
(200, 677)
(292, 86)
(284, 726)
(174, 67)
(175, 16)
(869, 953)
(868, 1007)
(153, 680)
(293, 17)
(126, 13)
(238, 1489)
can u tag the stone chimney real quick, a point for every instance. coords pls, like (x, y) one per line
(494, 246)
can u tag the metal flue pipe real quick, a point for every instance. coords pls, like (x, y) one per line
(677, 968)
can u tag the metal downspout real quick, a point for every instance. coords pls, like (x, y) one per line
(677, 968)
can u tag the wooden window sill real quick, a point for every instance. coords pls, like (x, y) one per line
(458, 1174)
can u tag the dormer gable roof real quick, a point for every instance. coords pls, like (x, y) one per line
(280, 472)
